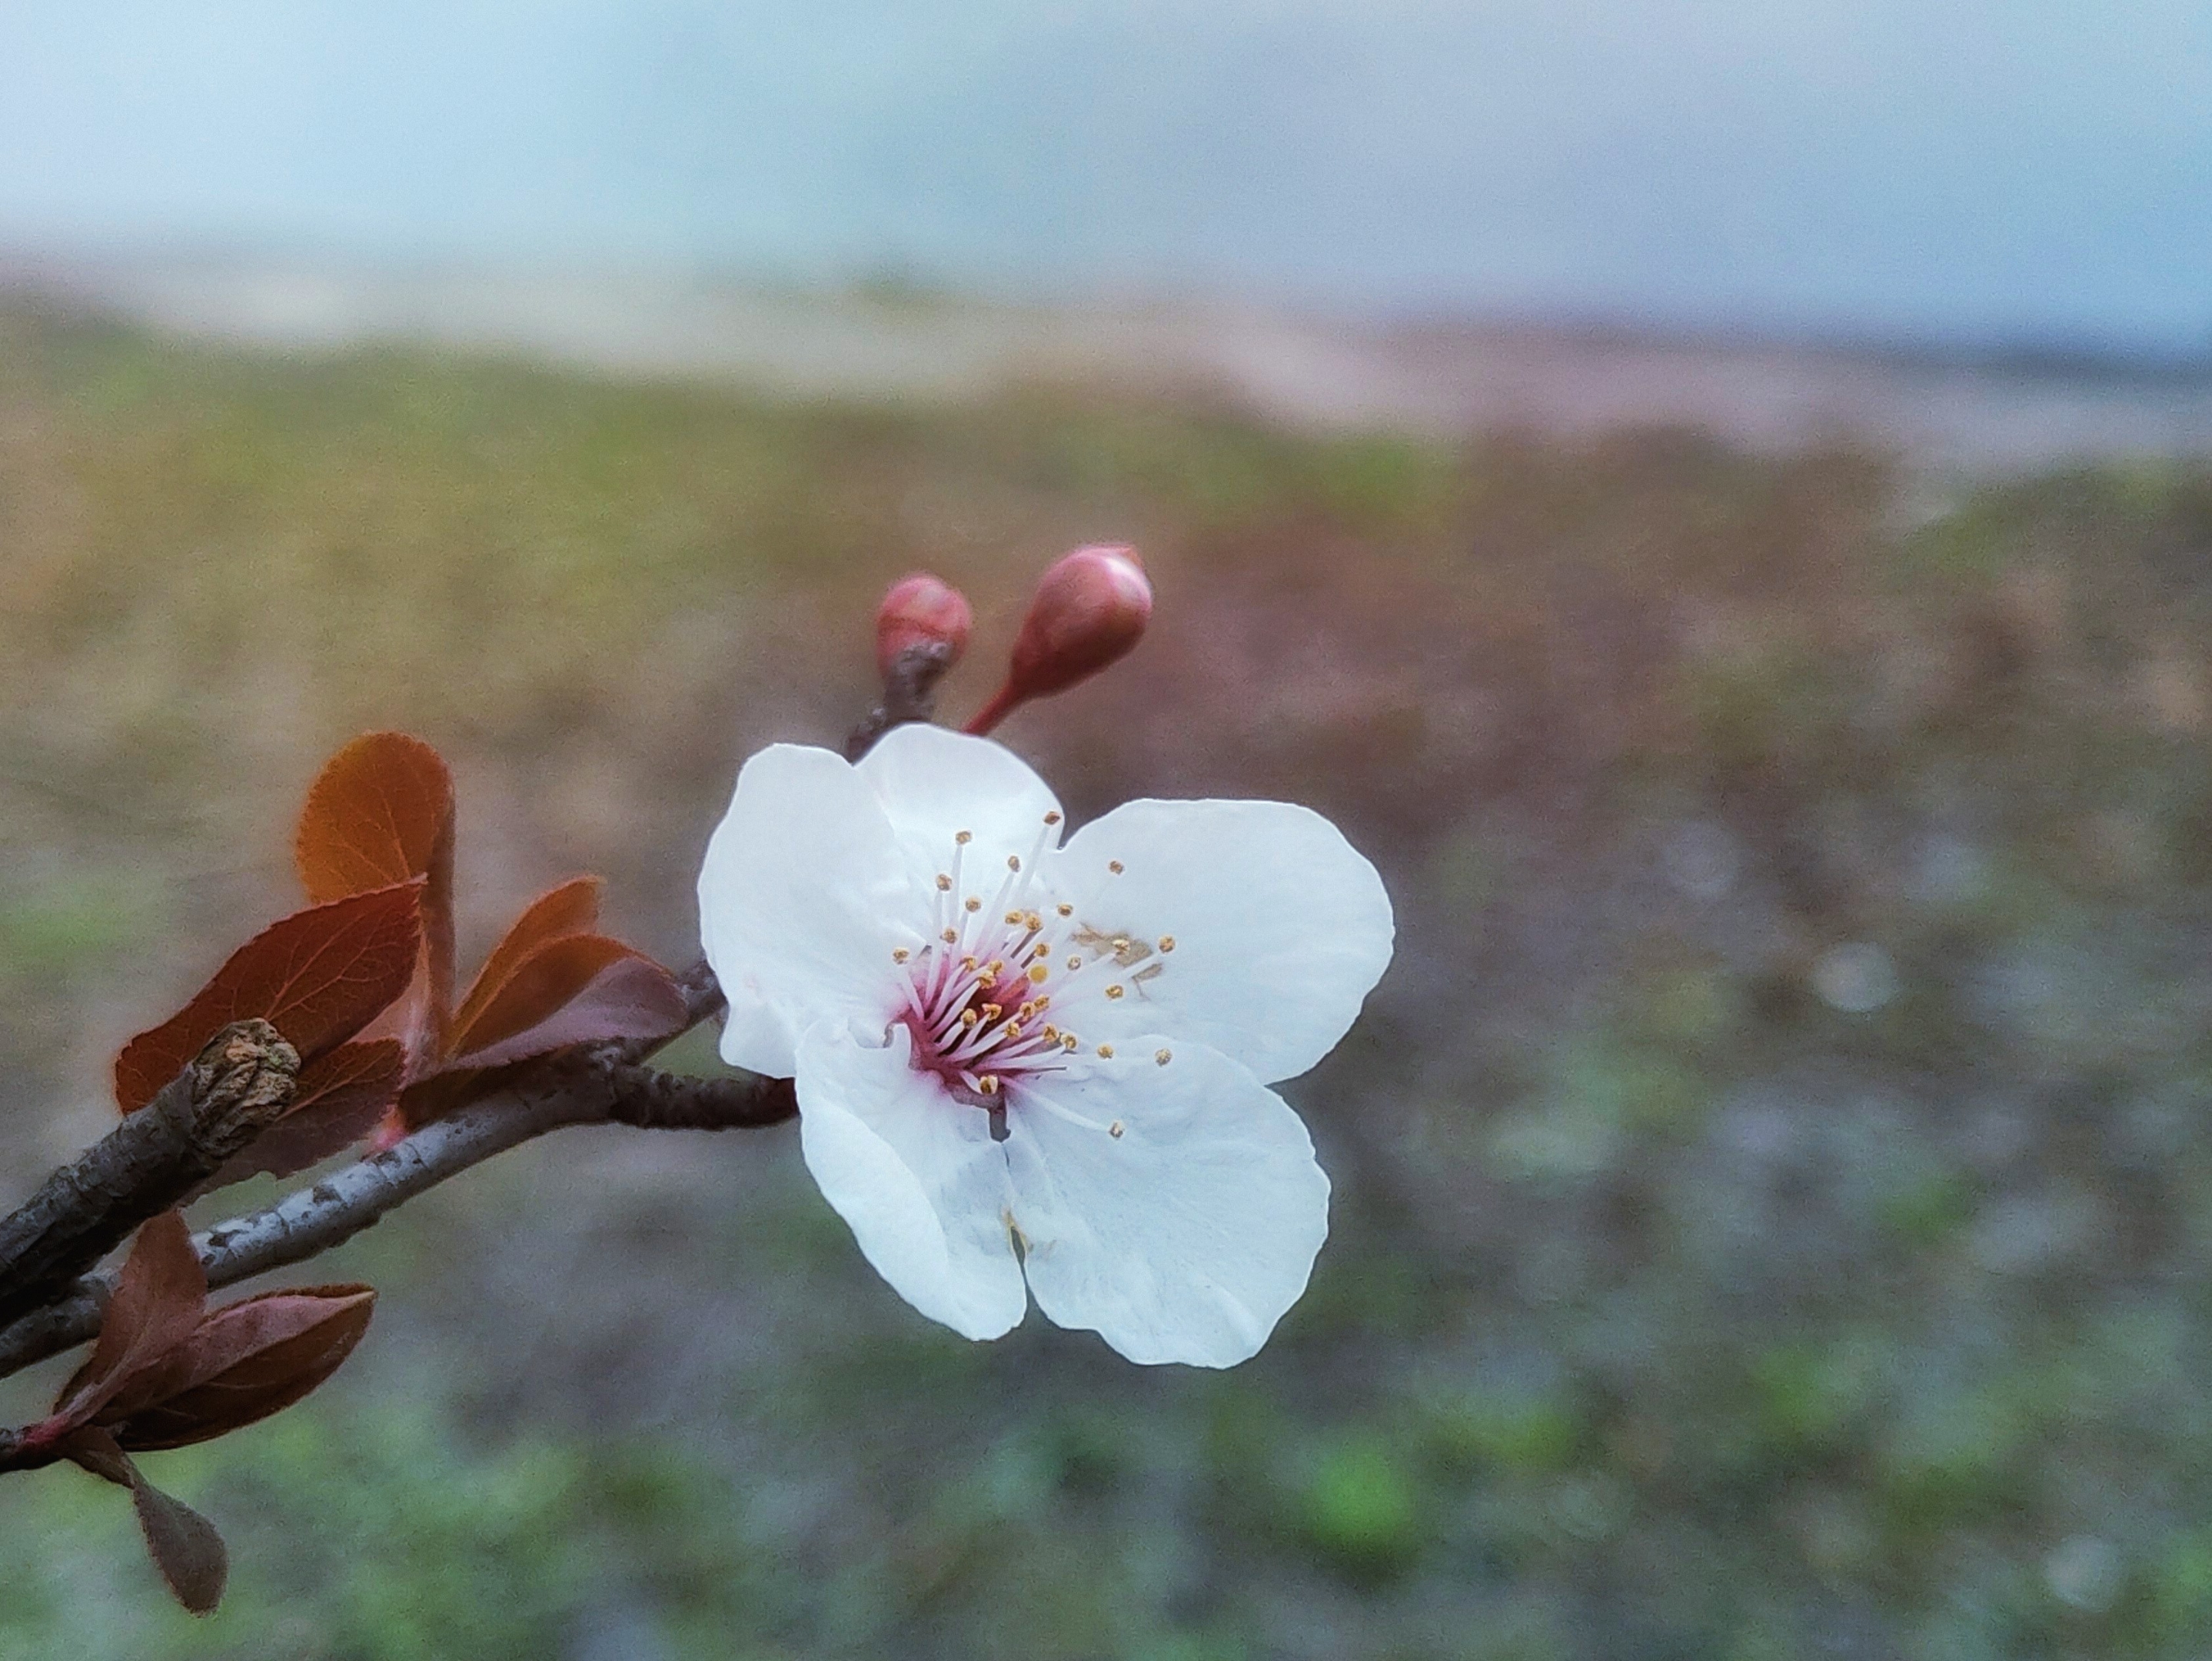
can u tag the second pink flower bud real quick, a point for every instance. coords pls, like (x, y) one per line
(1089, 608)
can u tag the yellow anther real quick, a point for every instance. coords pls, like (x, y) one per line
(968, 962)
(1106, 1050)
(1014, 1029)
(1121, 944)
(964, 837)
(1051, 1033)
(967, 1018)
(1115, 1129)
(1013, 917)
(1028, 1009)
(1052, 818)
(1013, 861)
(972, 903)
(944, 883)
(1115, 865)
(1064, 909)
(950, 936)
(1039, 973)
(992, 1011)
(988, 1084)
(1113, 991)
(1067, 1042)
(1162, 1056)
(900, 954)
(1033, 921)
(1075, 963)
(1167, 942)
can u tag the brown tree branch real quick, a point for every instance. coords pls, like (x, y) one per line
(909, 694)
(597, 1088)
(188, 1130)
(236, 1087)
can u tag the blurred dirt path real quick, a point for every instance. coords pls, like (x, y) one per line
(1942, 414)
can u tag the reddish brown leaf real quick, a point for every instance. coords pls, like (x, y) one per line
(159, 1299)
(633, 997)
(318, 976)
(340, 1099)
(582, 989)
(247, 1360)
(431, 1098)
(375, 815)
(382, 811)
(96, 1452)
(629, 997)
(182, 1544)
(571, 908)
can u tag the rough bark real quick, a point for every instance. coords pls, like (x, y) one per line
(236, 1087)
(596, 1089)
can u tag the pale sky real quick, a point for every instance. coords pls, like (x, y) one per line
(1976, 168)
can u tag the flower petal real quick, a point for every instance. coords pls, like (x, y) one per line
(1185, 1236)
(934, 783)
(1280, 927)
(915, 1175)
(801, 901)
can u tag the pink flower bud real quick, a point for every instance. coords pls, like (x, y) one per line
(1089, 608)
(921, 610)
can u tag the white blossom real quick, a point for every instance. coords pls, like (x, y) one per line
(1017, 1058)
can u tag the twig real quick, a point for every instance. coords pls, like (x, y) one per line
(234, 1089)
(909, 694)
(599, 1088)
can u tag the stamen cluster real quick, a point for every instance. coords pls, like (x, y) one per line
(990, 996)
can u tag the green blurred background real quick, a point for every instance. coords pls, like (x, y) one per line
(1774, 1181)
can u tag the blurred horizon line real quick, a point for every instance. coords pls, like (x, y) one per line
(1939, 410)
(2039, 350)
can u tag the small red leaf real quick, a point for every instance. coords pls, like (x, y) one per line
(247, 1360)
(579, 989)
(375, 815)
(318, 977)
(182, 1544)
(382, 811)
(571, 908)
(631, 998)
(158, 1302)
(628, 996)
(340, 1099)
(425, 1100)
(95, 1451)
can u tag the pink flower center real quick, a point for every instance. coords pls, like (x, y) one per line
(991, 999)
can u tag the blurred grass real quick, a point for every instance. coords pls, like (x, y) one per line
(1774, 1188)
